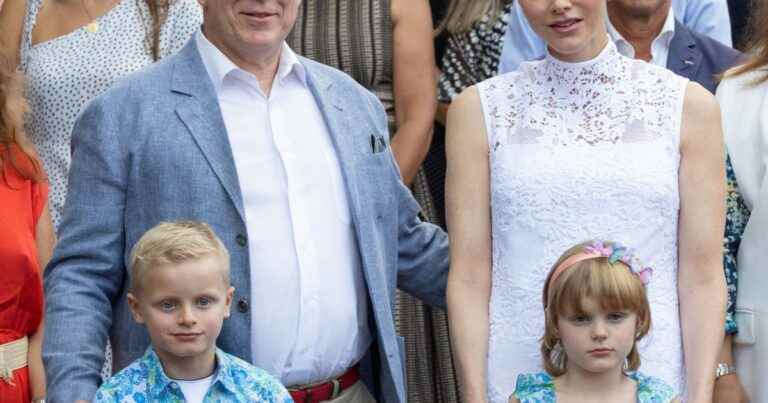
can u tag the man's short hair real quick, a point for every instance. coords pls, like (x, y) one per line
(174, 243)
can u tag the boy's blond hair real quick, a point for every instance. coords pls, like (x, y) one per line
(614, 286)
(173, 243)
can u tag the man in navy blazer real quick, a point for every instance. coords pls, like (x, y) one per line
(289, 161)
(648, 30)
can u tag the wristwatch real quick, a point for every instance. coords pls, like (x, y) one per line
(724, 369)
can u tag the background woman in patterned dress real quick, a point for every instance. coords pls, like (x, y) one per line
(73, 50)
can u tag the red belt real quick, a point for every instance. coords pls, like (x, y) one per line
(327, 390)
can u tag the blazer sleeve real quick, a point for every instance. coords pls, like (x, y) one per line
(422, 248)
(86, 272)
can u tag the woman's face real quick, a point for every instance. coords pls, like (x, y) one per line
(573, 29)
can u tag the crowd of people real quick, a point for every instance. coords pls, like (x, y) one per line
(383, 201)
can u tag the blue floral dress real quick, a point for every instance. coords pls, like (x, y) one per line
(540, 388)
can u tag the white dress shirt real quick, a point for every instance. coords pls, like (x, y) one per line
(659, 47)
(308, 299)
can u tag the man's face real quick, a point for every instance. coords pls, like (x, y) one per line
(183, 307)
(248, 28)
(640, 8)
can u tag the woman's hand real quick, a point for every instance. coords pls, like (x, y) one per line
(728, 389)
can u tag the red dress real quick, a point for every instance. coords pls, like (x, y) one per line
(21, 291)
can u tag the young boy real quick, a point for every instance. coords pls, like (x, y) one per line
(180, 291)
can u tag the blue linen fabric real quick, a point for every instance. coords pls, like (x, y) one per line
(235, 381)
(521, 43)
(540, 388)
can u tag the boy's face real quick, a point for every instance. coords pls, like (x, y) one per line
(183, 307)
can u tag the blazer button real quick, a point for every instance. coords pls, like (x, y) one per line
(241, 240)
(242, 305)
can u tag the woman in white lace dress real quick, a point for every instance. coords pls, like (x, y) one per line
(583, 144)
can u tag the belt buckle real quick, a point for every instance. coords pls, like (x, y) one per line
(336, 391)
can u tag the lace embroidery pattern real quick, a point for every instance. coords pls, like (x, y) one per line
(580, 151)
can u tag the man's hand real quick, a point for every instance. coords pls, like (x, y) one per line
(728, 389)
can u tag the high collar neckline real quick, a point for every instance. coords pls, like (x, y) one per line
(609, 51)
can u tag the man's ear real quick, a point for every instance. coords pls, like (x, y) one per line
(230, 295)
(133, 304)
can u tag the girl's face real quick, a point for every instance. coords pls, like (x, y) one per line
(596, 340)
(573, 29)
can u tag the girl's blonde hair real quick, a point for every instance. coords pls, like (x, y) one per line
(614, 286)
(463, 14)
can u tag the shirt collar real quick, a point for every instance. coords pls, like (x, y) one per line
(159, 383)
(218, 65)
(666, 34)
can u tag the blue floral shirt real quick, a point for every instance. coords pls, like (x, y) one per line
(540, 388)
(145, 381)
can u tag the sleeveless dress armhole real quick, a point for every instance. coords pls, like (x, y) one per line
(486, 102)
(30, 18)
(652, 390)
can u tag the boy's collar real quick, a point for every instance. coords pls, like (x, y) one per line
(158, 381)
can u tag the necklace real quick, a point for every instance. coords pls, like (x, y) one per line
(92, 26)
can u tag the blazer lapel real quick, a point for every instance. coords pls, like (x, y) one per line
(684, 57)
(332, 107)
(343, 129)
(199, 110)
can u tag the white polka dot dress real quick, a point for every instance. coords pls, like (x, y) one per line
(63, 74)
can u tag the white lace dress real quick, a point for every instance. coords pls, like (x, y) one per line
(581, 151)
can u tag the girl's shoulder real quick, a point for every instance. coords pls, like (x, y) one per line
(652, 390)
(535, 388)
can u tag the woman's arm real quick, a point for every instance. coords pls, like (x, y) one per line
(701, 283)
(45, 240)
(35, 363)
(414, 82)
(12, 23)
(45, 237)
(469, 224)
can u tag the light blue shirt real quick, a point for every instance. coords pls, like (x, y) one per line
(235, 381)
(521, 43)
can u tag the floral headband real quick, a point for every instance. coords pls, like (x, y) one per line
(615, 253)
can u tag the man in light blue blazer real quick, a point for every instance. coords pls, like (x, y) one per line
(289, 161)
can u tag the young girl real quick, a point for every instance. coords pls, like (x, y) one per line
(26, 242)
(596, 311)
